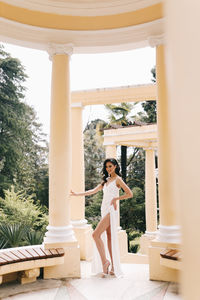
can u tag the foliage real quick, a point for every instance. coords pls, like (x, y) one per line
(19, 208)
(23, 150)
(12, 235)
(134, 248)
(17, 235)
(119, 115)
(132, 211)
(136, 168)
(34, 237)
(150, 108)
(94, 155)
(93, 209)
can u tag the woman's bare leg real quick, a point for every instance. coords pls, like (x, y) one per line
(101, 227)
(108, 231)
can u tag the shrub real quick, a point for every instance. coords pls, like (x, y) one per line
(22, 222)
(134, 248)
(19, 208)
(12, 235)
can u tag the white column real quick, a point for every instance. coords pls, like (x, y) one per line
(150, 201)
(183, 48)
(60, 233)
(111, 150)
(78, 176)
(150, 192)
(83, 231)
(169, 230)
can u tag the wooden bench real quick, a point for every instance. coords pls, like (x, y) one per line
(27, 261)
(171, 258)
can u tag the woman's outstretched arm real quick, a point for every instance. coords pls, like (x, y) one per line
(89, 192)
(128, 193)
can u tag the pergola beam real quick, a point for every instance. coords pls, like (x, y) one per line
(115, 95)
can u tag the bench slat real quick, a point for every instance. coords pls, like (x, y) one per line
(54, 252)
(40, 252)
(26, 254)
(47, 252)
(7, 258)
(33, 253)
(173, 254)
(12, 256)
(60, 251)
(18, 254)
(2, 261)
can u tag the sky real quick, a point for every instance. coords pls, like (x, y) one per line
(87, 71)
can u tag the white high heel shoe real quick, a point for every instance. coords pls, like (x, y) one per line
(107, 271)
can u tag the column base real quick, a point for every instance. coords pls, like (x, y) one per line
(169, 234)
(156, 270)
(59, 234)
(145, 241)
(83, 233)
(70, 267)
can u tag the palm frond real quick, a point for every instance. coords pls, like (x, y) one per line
(34, 237)
(13, 235)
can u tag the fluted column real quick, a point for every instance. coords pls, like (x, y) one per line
(60, 232)
(83, 231)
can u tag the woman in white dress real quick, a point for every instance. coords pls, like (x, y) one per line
(110, 185)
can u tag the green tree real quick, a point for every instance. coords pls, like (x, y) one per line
(20, 208)
(150, 107)
(94, 155)
(23, 150)
(119, 115)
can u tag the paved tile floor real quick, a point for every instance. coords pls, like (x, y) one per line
(135, 285)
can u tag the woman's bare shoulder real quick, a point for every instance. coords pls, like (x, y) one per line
(119, 181)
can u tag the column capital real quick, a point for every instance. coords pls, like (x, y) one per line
(54, 49)
(149, 148)
(156, 40)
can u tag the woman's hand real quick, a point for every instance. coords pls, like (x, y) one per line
(73, 193)
(114, 203)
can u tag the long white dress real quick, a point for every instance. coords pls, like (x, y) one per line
(110, 191)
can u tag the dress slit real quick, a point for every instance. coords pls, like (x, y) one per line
(109, 193)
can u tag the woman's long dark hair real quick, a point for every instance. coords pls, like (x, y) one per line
(105, 173)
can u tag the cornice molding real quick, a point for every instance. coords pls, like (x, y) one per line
(96, 41)
(83, 8)
(54, 49)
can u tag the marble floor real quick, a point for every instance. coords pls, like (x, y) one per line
(135, 285)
